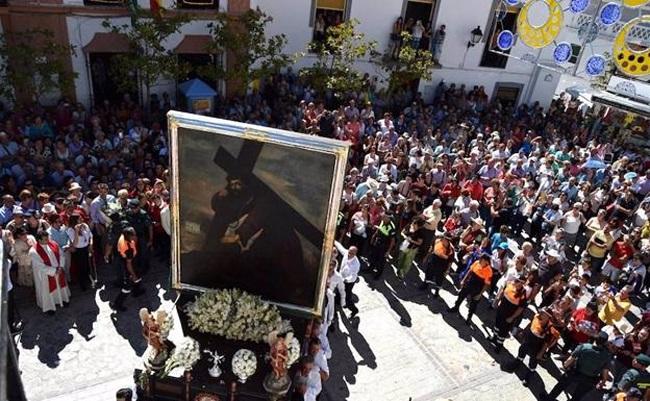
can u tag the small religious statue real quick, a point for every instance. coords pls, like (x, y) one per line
(215, 370)
(154, 331)
(278, 355)
(277, 382)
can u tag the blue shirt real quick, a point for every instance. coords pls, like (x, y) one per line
(496, 240)
(6, 214)
(59, 236)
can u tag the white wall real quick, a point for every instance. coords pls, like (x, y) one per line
(81, 31)
(291, 17)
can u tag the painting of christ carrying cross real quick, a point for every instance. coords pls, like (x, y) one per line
(256, 209)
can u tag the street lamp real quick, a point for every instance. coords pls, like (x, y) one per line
(475, 38)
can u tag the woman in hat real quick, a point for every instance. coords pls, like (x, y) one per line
(437, 263)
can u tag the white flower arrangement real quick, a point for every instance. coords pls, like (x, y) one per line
(293, 349)
(166, 321)
(233, 314)
(244, 364)
(186, 354)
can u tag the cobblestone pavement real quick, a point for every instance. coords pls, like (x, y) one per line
(402, 346)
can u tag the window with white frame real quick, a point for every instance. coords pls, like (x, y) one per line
(327, 13)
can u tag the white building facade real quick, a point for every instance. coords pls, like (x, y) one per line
(79, 22)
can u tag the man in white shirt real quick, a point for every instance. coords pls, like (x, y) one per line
(307, 382)
(432, 216)
(334, 284)
(349, 269)
(320, 331)
(320, 360)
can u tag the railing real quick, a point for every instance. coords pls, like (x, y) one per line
(638, 32)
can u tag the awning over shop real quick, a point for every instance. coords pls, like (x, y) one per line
(108, 42)
(194, 44)
(619, 102)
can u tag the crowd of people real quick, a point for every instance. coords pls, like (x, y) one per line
(536, 213)
(539, 214)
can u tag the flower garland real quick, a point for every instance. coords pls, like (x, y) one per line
(244, 364)
(186, 354)
(233, 314)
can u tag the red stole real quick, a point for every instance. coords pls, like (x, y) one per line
(46, 259)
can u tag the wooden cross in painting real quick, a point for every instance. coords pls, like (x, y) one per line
(243, 166)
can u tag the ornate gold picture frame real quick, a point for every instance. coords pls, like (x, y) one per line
(253, 208)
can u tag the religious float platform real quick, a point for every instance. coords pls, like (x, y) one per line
(253, 221)
(199, 385)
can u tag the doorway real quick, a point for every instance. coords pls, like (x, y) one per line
(419, 10)
(199, 61)
(507, 94)
(105, 86)
(503, 20)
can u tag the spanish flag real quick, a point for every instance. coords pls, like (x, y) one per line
(156, 7)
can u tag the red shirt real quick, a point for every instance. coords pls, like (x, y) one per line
(475, 189)
(620, 251)
(450, 191)
(580, 319)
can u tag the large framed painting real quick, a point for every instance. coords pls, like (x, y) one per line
(253, 208)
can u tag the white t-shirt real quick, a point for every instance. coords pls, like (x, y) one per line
(320, 363)
(571, 223)
(84, 236)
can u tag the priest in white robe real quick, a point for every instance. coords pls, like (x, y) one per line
(49, 277)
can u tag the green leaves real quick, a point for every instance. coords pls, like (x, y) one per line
(334, 67)
(244, 39)
(34, 64)
(149, 58)
(411, 64)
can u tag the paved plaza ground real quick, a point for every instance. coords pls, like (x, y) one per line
(402, 346)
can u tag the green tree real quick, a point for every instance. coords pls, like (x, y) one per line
(32, 64)
(243, 39)
(148, 58)
(335, 59)
(411, 65)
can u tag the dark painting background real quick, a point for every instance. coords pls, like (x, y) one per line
(302, 178)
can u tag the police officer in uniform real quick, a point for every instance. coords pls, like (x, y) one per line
(141, 223)
(127, 251)
(381, 245)
(637, 375)
(587, 366)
